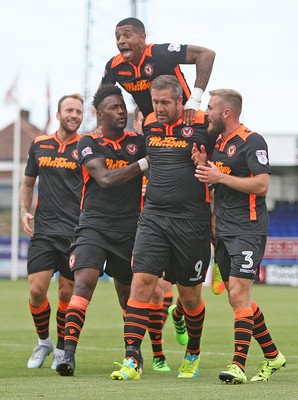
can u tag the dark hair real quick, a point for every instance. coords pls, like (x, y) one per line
(165, 82)
(76, 96)
(136, 23)
(104, 91)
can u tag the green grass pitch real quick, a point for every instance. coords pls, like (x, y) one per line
(101, 344)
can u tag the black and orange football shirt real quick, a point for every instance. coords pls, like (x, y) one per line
(59, 184)
(172, 189)
(116, 208)
(244, 153)
(157, 59)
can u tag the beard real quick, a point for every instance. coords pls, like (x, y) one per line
(218, 126)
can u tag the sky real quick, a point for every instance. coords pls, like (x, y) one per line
(45, 42)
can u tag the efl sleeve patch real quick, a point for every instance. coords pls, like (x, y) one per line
(262, 156)
(174, 47)
(86, 151)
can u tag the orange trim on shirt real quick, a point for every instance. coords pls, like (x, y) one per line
(117, 60)
(207, 193)
(43, 137)
(150, 119)
(242, 131)
(252, 206)
(182, 81)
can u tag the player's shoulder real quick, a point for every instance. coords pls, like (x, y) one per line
(44, 138)
(131, 134)
(116, 61)
(150, 119)
(199, 117)
(247, 134)
(134, 136)
(87, 138)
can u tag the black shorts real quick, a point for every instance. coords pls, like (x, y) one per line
(183, 244)
(49, 252)
(239, 256)
(108, 251)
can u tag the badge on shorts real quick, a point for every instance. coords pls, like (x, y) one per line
(262, 156)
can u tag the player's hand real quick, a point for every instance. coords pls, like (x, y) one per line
(192, 105)
(26, 218)
(189, 116)
(199, 156)
(209, 173)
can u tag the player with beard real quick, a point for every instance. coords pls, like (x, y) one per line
(240, 173)
(173, 235)
(54, 160)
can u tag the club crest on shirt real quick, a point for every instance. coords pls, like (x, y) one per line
(187, 131)
(148, 69)
(231, 150)
(75, 154)
(86, 151)
(72, 260)
(131, 148)
(262, 156)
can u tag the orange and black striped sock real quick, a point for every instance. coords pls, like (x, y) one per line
(135, 326)
(60, 319)
(41, 317)
(178, 311)
(243, 328)
(155, 330)
(194, 321)
(261, 333)
(75, 319)
(167, 302)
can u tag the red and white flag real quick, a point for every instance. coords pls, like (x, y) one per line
(11, 94)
